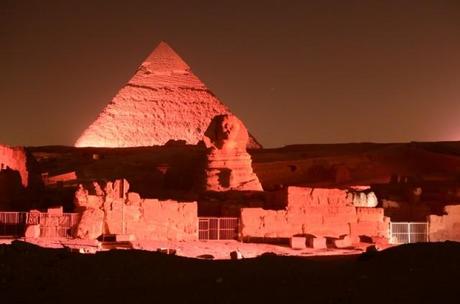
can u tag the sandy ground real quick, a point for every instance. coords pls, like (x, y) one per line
(219, 250)
(222, 249)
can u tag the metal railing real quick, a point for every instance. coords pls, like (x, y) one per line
(408, 232)
(13, 224)
(218, 228)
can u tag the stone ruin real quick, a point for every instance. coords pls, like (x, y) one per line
(228, 165)
(113, 210)
(314, 217)
(14, 159)
(14, 178)
(341, 215)
(320, 214)
(164, 103)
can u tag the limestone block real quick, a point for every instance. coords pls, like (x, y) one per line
(337, 215)
(117, 189)
(298, 242)
(160, 220)
(344, 242)
(134, 198)
(32, 231)
(125, 237)
(298, 197)
(369, 229)
(452, 209)
(114, 212)
(95, 201)
(257, 222)
(251, 221)
(446, 227)
(437, 228)
(58, 211)
(369, 214)
(316, 242)
(81, 197)
(91, 224)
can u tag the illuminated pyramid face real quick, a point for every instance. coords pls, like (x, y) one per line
(163, 101)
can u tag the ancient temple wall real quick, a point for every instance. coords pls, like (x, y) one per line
(129, 214)
(319, 212)
(16, 160)
(152, 219)
(445, 227)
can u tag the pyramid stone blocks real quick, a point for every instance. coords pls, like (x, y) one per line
(163, 101)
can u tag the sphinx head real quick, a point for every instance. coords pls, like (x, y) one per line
(226, 132)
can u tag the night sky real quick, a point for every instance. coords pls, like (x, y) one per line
(293, 71)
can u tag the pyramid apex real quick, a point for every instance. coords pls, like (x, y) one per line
(162, 42)
(164, 58)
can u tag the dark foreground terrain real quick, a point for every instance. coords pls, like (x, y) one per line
(418, 273)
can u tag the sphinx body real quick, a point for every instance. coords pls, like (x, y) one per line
(228, 165)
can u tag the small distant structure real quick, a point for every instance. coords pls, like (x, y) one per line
(59, 179)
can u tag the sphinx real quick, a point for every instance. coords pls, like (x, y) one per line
(228, 165)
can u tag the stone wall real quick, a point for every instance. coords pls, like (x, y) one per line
(152, 219)
(116, 211)
(16, 160)
(320, 212)
(445, 227)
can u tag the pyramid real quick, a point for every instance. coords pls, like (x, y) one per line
(163, 101)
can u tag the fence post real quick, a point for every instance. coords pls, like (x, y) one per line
(428, 231)
(218, 229)
(409, 232)
(16, 227)
(390, 231)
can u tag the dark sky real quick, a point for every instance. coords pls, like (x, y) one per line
(293, 71)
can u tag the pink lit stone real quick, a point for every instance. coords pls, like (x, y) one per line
(163, 101)
(16, 160)
(32, 231)
(127, 215)
(229, 166)
(317, 242)
(343, 242)
(298, 242)
(91, 224)
(318, 212)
